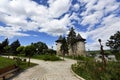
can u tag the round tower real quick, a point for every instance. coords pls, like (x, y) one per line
(80, 45)
(58, 45)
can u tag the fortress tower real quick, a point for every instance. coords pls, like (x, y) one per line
(79, 46)
(58, 45)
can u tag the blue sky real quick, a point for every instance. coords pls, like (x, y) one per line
(44, 20)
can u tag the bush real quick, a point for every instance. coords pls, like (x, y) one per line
(117, 55)
(47, 57)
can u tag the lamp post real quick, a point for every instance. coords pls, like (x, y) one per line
(102, 52)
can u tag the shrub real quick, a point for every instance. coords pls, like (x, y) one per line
(47, 57)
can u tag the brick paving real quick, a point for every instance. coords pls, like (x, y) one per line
(47, 70)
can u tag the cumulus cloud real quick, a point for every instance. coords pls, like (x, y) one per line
(14, 13)
(99, 18)
(9, 32)
(58, 27)
(109, 26)
(58, 7)
(96, 10)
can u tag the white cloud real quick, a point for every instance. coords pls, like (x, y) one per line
(96, 10)
(44, 19)
(58, 7)
(96, 13)
(10, 32)
(76, 6)
(92, 19)
(15, 12)
(55, 27)
(109, 26)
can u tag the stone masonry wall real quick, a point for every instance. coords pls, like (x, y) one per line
(58, 48)
(81, 48)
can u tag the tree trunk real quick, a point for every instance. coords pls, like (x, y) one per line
(29, 61)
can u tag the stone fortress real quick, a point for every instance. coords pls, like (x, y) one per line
(79, 47)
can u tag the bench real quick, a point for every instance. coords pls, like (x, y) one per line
(7, 70)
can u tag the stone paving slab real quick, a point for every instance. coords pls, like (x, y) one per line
(47, 70)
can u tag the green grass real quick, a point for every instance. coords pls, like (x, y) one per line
(94, 71)
(47, 57)
(24, 65)
(106, 52)
(79, 58)
(4, 62)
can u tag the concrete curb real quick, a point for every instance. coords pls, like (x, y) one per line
(76, 74)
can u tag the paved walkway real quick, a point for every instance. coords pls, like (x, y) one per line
(47, 70)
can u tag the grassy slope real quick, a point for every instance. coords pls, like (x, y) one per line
(4, 62)
(94, 71)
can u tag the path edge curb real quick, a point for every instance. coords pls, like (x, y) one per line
(76, 74)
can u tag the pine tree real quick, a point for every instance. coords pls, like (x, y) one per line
(72, 40)
(64, 47)
(3, 45)
(14, 46)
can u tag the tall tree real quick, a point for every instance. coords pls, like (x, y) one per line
(64, 47)
(114, 42)
(14, 47)
(7, 49)
(3, 45)
(5, 42)
(72, 40)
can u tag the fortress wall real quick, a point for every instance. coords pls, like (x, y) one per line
(81, 48)
(58, 48)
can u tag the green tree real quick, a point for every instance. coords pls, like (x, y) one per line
(72, 40)
(64, 47)
(7, 49)
(20, 49)
(3, 44)
(29, 51)
(40, 47)
(114, 42)
(14, 47)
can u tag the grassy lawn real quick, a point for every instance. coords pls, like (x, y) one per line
(45, 57)
(4, 62)
(90, 70)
